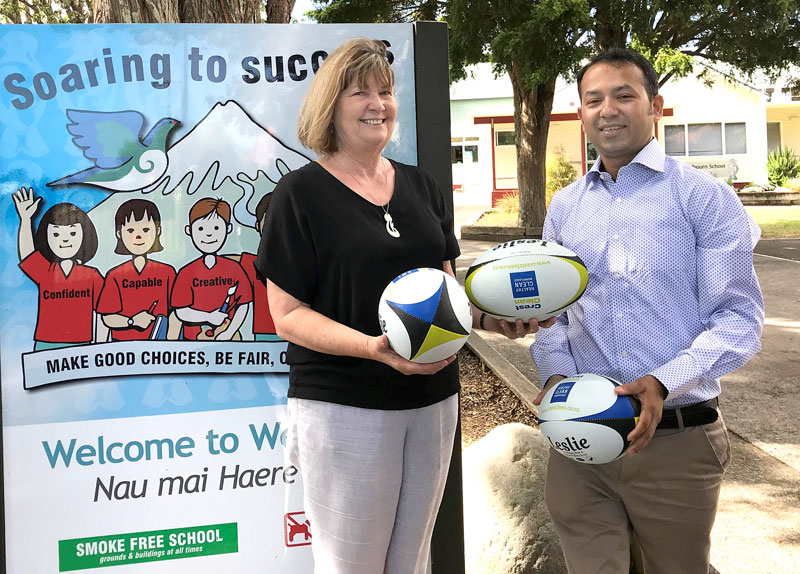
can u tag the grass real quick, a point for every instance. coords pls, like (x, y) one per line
(776, 221)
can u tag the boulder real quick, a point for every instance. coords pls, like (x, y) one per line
(507, 526)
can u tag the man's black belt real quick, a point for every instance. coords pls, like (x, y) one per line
(690, 415)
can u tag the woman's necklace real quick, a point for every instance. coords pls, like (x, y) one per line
(390, 228)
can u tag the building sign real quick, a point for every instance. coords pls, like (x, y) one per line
(724, 168)
(143, 385)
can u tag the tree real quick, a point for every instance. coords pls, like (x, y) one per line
(140, 11)
(44, 11)
(367, 11)
(746, 35)
(228, 11)
(533, 42)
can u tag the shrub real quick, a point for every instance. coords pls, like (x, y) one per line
(782, 164)
(508, 204)
(560, 173)
(793, 184)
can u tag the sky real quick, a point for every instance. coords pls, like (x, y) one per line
(300, 8)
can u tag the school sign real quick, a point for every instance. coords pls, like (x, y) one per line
(143, 385)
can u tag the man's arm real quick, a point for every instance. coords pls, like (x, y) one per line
(729, 298)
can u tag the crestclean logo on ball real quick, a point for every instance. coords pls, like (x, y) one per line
(523, 284)
(561, 392)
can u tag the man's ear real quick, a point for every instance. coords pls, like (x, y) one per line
(230, 228)
(658, 107)
(188, 230)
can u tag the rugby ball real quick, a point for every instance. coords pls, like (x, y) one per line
(425, 314)
(526, 279)
(586, 421)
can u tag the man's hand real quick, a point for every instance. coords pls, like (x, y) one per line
(551, 382)
(651, 393)
(518, 329)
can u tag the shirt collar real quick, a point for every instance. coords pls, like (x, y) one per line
(650, 156)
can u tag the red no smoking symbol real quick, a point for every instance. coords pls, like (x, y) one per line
(296, 529)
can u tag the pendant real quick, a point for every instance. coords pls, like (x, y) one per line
(390, 226)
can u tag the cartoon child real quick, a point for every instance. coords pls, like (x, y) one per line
(137, 292)
(263, 326)
(211, 293)
(55, 259)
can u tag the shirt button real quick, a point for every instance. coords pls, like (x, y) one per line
(617, 275)
(619, 315)
(619, 200)
(624, 353)
(615, 236)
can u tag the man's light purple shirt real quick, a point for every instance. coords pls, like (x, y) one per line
(672, 290)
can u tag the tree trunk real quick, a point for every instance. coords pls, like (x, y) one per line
(280, 11)
(170, 11)
(531, 125)
(135, 11)
(223, 11)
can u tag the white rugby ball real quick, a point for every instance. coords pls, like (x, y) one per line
(425, 314)
(526, 279)
(586, 421)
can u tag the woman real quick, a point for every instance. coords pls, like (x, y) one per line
(371, 432)
(55, 259)
(137, 292)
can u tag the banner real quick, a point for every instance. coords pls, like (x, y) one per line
(143, 385)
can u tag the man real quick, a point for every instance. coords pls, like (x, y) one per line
(672, 304)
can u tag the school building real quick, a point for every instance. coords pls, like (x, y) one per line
(726, 129)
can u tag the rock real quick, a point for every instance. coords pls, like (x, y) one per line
(507, 526)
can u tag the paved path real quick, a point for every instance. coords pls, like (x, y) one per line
(758, 522)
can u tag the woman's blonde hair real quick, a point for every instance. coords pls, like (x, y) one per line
(352, 62)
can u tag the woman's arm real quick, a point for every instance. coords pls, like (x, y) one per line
(295, 321)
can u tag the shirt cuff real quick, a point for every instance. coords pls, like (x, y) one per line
(679, 376)
(555, 364)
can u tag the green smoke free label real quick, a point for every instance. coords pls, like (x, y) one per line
(151, 546)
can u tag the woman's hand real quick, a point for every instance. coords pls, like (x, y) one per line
(378, 349)
(517, 329)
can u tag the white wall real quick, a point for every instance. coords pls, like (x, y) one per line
(724, 102)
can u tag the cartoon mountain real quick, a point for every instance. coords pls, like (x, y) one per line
(226, 144)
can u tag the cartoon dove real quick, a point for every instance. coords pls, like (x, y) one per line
(111, 140)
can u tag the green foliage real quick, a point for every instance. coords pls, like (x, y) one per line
(45, 12)
(782, 165)
(540, 39)
(331, 11)
(560, 173)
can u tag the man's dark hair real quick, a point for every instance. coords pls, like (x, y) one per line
(619, 56)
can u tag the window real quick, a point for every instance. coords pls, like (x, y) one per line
(505, 138)
(675, 140)
(735, 138)
(705, 139)
(464, 150)
(773, 136)
(591, 155)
